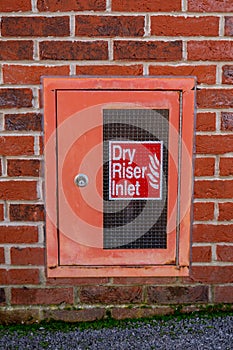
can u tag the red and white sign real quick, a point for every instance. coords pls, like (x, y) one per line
(135, 169)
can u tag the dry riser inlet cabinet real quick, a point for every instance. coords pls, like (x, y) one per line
(118, 175)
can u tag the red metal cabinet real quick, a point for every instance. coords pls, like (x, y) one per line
(118, 175)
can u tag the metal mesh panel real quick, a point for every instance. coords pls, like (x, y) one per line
(135, 224)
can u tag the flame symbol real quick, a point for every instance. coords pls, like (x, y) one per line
(154, 166)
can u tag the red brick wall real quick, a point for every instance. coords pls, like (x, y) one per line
(113, 37)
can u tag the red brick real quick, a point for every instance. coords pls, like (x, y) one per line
(203, 211)
(215, 98)
(2, 256)
(148, 50)
(1, 212)
(18, 234)
(112, 295)
(225, 211)
(223, 294)
(76, 281)
(110, 26)
(144, 280)
(71, 5)
(146, 6)
(34, 296)
(224, 253)
(26, 212)
(17, 74)
(226, 121)
(27, 256)
(210, 50)
(204, 166)
(110, 70)
(226, 166)
(11, 98)
(2, 297)
(212, 233)
(210, 5)
(15, 5)
(229, 26)
(214, 144)
(213, 189)
(16, 50)
(206, 122)
(23, 167)
(35, 26)
(19, 276)
(138, 312)
(212, 274)
(0, 167)
(23, 122)
(84, 315)
(78, 50)
(184, 26)
(201, 254)
(20, 316)
(177, 294)
(18, 190)
(16, 145)
(227, 74)
(204, 74)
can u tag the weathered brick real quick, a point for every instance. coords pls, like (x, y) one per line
(203, 211)
(110, 26)
(71, 5)
(213, 189)
(18, 190)
(113, 295)
(19, 276)
(1, 212)
(204, 166)
(15, 98)
(212, 274)
(23, 167)
(210, 5)
(0, 175)
(226, 166)
(35, 26)
(201, 254)
(22, 316)
(223, 294)
(18, 234)
(215, 98)
(16, 145)
(214, 144)
(184, 26)
(227, 74)
(206, 122)
(212, 233)
(2, 296)
(13, 50)
(227, 121)
(27, 256)
(85, 315)
(2, 256)
(204, 74)
(224, 253)
(144, 280)
(177, 294)
(207, 50)
(146, 6)
(23, 122)
(110, 70)
(148, 50)
(229, 26)
(46, 296)
(77, 50)
(225, 211)
(18, 74)
(138, 312)
(15, 5)
(89, 281)
(26, 212)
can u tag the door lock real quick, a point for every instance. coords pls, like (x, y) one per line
(81, 180)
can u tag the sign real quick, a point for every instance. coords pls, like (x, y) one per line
(135, 170)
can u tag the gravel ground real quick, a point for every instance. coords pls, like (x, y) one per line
(186, 334)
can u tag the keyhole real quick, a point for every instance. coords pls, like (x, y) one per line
(81, 180)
